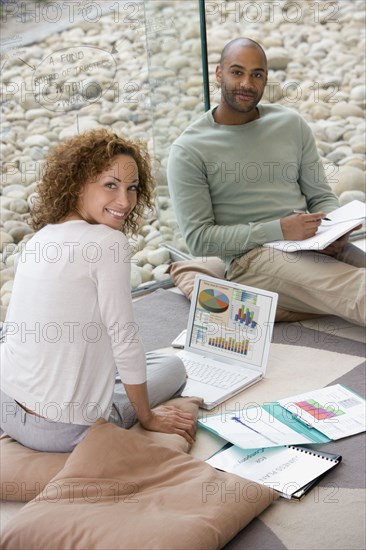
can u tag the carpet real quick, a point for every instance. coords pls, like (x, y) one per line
(332, 515)
(162, 315)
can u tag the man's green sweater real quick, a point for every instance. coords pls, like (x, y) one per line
(231, 184)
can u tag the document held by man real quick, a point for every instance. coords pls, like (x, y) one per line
(338, 222)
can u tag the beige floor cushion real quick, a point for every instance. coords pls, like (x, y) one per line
(25, 472)
(118, 489)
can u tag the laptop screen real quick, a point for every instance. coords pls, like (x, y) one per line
(232, 321)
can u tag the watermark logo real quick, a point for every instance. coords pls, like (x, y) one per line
(288, 12)
(73, 77)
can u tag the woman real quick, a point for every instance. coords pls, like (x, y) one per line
(69, 326)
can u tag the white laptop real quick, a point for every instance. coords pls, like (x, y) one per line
(228, 338)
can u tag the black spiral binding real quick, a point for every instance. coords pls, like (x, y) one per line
(319, 454)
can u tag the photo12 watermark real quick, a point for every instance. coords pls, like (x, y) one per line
(72, 11)
(70, 332)
(70, 491)
(273, 10)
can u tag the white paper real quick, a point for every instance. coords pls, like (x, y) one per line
(253, 428)
(284, 469)
(335, 411)
(342, 220)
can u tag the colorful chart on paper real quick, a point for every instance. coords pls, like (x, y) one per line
(318, 411)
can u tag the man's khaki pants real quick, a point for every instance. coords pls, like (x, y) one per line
(308, 281)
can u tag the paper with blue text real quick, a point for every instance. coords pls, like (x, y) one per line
(317, 416)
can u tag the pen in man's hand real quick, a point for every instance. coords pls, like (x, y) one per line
(302, 212)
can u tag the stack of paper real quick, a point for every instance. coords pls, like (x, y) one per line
(263, 438)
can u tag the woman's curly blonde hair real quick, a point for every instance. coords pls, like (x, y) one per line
(80, 159)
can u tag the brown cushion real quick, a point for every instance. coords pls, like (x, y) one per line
(25, 472)
(120, 490)
(183, 273)
(173, 441)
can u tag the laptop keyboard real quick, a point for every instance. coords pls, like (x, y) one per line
(211, 375)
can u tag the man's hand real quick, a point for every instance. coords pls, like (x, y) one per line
(298, 227)
(169, 419)
(337, 246)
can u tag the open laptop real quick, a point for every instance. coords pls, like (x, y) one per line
(228, 338)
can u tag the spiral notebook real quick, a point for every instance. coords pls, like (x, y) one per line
(290, 470)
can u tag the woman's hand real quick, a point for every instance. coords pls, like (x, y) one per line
(166, 419)
(169, 419)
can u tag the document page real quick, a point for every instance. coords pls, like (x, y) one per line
(253, 428)
(340, 221)
(335, 410)
(284, 469)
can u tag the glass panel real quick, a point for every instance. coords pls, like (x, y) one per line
(66, 67)
(176, 90)
(316, 66)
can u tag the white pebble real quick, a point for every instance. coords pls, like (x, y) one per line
(136, 277)
(158, 256)
(278, 58)
(348, 178)
(152, 235)
(18, 205)
(33, 114)
(6, 287)
(5, 239)
(146, 275)
(358, 93)
(345, 110)
(5, 299)
(176, 62)
(139, 258)
(349, 196)
(36, 140)
(160, 274)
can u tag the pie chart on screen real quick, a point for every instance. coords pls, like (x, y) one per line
(213, 300)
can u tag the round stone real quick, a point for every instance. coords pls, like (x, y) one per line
(5, 299)
(136, 277)
(18, 233)
(158, 256)
(358, 93)
(5, 239)
(18, 205)
(349, 196)
(7, 286)
(344, 110)
(160, 273)
(36, 141)
(348, 178)
(278, 58)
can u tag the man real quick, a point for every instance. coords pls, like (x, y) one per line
(236, 177)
